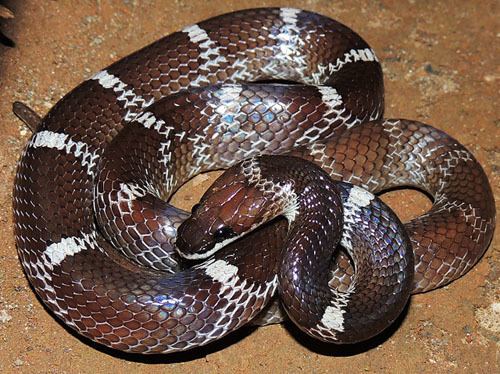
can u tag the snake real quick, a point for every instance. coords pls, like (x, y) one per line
(291, 103)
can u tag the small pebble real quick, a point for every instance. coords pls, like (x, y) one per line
(4, 316)
(96, 41)
(429, 69)
(490, 78)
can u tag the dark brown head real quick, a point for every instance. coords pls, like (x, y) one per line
(234, 205)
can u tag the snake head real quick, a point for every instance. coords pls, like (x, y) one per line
(230, 208)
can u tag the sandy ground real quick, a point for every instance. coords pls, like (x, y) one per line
(441, 67)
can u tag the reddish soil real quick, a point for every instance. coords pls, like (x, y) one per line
(441, 66)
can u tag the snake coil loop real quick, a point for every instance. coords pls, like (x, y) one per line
(95, 176)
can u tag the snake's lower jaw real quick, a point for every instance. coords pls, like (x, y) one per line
(204, 251)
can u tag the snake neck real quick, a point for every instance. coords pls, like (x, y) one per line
(312, 204)
(281, 191)
(309, 200)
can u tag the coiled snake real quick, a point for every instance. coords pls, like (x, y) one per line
(85, 187)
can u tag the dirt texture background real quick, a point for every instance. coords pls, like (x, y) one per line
(440, 60)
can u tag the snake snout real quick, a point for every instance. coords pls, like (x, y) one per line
(192, 241)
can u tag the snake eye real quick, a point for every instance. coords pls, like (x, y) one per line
(223, 233)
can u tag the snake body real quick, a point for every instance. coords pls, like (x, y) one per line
(79, 165)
